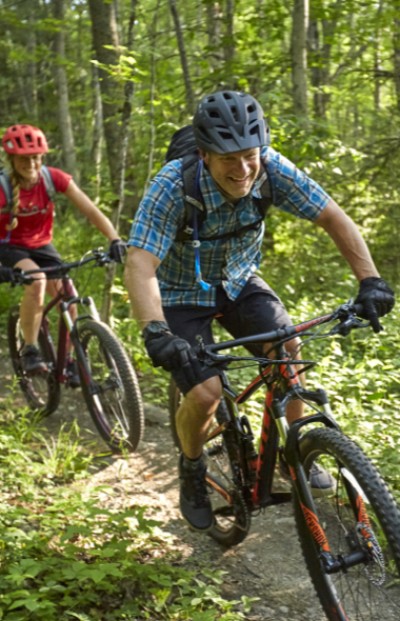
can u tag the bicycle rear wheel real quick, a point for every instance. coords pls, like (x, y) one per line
(112, 392)
(41, 391)
(232, 519)
(359, 517)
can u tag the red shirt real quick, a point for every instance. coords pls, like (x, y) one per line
(35, 213)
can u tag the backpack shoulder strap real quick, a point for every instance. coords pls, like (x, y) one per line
(48, 182)
(5, 184)
(194, 203)
(266, 199)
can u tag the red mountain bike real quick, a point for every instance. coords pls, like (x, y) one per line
(108, 381)
(350, 538)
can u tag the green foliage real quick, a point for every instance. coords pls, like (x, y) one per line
(64, 555)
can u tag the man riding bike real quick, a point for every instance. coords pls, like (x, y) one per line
(175, 302)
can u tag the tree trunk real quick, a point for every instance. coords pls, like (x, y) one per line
(299, 57)
(30, 87)
(153, 79)
(396, 52)
(214, 17)
(97, 127)
(377, 59)
(107, 51)
(190, 103)
(115, 123)
(229, 47)
(64, 117)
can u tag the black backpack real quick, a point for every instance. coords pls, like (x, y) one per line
(5, 184)
(183, 145)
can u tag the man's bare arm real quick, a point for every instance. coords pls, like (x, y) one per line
(348, 239)
(142, 284)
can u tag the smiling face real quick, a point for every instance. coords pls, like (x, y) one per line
(234, 173)
(27, 168)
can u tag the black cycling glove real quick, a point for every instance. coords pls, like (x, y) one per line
(172, 353)
(6, 274)
(376, 298)
(167, 350)
(117, 250)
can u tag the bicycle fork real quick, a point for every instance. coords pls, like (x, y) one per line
(71, 328)
(330, 563)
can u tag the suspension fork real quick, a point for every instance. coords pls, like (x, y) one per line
(70, 330)
(331, 563)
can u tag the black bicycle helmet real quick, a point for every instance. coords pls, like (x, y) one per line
(228, 121)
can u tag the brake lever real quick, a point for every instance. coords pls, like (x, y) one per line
(347, 325)
(21, 278)
(102, 257)
(208, 357)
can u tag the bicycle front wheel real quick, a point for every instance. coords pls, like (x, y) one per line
(361, 523)
(41, 391)
(111, 391)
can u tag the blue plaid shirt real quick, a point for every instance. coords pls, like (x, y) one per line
(229, 261)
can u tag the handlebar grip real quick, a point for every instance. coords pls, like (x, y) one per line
(21, 278)
(358, 309)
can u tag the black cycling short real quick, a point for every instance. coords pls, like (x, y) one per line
(256, 309)
(45, 256)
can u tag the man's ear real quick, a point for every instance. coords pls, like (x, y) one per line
(204, 156)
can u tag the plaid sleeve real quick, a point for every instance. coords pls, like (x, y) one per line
(160, 212)
(293, 191)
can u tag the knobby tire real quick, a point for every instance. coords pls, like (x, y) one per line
(41, 391)
(112, 391)
(370, 590)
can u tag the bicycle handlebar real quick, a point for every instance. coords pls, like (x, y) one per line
(26, 277)
(346, 314)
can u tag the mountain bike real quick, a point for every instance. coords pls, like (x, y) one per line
(107, 379)
(350, 536)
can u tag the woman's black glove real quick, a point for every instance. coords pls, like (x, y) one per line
(6, 274)
(117, 250)
(377, 300)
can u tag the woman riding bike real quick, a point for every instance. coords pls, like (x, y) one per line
(26, 227)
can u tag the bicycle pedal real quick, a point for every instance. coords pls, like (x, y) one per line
(74, 381)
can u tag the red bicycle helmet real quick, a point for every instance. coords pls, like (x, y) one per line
(24, 140)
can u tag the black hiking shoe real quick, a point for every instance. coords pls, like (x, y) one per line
(31, 360)
(73, 374)
(321, 482)
(194, 502)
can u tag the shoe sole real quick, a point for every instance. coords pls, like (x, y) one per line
(196, 528)
(34, 372)
(320, 492)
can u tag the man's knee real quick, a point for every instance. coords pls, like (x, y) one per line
(195, 375)
(293, 347)
(205, 396)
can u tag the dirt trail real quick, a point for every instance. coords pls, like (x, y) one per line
(267, 565)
